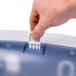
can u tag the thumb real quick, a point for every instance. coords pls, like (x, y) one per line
(39, 29)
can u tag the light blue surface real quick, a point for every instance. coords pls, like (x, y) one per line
(32, 64)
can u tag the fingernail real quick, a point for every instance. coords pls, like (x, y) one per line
(35, 37)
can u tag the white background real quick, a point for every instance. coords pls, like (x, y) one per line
(14, 15)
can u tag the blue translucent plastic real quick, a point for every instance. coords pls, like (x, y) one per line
(31, 63)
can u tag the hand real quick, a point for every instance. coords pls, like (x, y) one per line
(49, 13)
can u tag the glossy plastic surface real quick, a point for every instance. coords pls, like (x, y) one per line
(56, 61)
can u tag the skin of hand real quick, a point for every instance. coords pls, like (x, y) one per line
(50, 13)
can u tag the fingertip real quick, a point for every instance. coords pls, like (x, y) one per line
(35, 36)
(37, 33)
